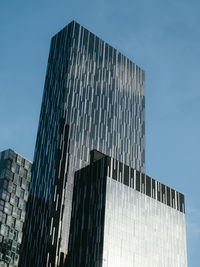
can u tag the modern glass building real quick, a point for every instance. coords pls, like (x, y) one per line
(93, 99)
(15, 175)
(122, 217)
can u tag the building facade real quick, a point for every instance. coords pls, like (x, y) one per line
(93, 99)
(15, 175)
(122, 217)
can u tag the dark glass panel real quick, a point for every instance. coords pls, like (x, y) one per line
(137, 181)
(168, 197)
(158, 191)
(182, 202)
(148, 186)
(126, 175)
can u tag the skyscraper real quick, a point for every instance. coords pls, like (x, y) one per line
(93, 99)
(15, 175)
(122, 217)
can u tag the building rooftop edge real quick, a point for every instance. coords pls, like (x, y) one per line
(154, 196)
(16, 153)
(75, 22)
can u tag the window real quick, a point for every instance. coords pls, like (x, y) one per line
(10, 187)
(14, 246)
(5, 184)
(25, 173)
(15, 212)
(19, 213)
(9, 244)
(19, 239)
(23, 162)
(13, 234)
(24, 205)
(26, 165)
(27, 185)
(16, 200)
(18, 225)
(19, 159)
(14, 189)
(8, 208)
(23, 215)
(18, 191)
(22, 193)
(19, 180)
(5, 195)
(1, 205)
(2, 217)
(26, 196)
(13, 221)
(4, 230)
(8, 164)
(17, 169)
(16, 261)
(12, 256)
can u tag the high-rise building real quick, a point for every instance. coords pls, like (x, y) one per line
(122, 217)
(15, 175)
(93, 99)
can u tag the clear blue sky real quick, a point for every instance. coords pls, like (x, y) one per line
(161, 36)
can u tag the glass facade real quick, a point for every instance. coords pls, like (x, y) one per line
(108, 213)
(93, 99)
(15, 176)
(141, 231)
(117, 223)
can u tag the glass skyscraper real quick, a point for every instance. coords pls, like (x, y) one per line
(15, 175)
(93, 99)
(122, 217)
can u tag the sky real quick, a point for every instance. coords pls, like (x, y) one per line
(160, 36)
